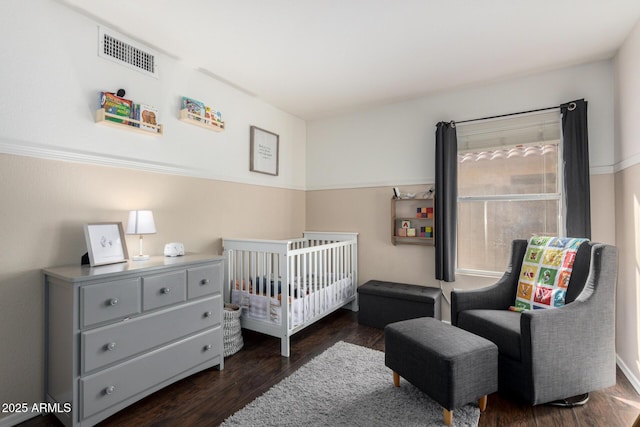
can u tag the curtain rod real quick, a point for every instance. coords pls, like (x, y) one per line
(514, 114)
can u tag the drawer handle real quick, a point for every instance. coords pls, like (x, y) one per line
(113, 301)
(207, 347)
(111, 346)
(109, 390)
(204, 281)
(208, 314)
(165, 290)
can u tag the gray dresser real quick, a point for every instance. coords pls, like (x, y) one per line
(116, 333)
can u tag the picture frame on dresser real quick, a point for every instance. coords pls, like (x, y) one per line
(105, 243)
(265, 151)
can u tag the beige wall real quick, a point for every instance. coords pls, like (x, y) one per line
(45, 203)
(368, 211)
(627, 205)
(627, 294)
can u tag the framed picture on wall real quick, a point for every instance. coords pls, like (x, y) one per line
(264, 151)
(105, 243)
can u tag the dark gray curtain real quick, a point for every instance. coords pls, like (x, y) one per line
(446, 200)
(575, 152)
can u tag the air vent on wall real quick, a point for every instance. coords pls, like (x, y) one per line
(117, 48)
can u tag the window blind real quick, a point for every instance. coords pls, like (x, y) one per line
(505, 133)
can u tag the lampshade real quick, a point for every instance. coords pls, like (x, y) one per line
(141, 222)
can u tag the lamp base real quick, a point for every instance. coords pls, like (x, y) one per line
(140, 258)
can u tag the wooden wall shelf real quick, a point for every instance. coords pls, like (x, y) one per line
(405, 210)
(196, 120)
(101, 117)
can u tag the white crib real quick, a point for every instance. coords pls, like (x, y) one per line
(318, 274)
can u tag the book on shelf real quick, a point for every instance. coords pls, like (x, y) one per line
(148, 115)
(116, 105)
(195, 108)
(213, 116)
(135, 114)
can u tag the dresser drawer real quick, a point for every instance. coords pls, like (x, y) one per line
(204, 280)
(109, 301)
(164, 289)
(111, 386)
(112, 343)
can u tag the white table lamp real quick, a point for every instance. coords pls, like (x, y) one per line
(141, 222)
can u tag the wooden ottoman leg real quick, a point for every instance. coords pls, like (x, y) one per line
(448, 416)
(482, 403)
(396, 379)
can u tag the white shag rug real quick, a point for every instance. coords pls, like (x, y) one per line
(347, 385)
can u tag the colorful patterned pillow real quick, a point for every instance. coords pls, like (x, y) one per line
(546, 270)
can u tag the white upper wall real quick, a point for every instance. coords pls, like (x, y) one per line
(50, 80)
(395, 144)
(627, 147)
(51, 77)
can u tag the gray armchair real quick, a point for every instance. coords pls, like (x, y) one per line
(552, 354)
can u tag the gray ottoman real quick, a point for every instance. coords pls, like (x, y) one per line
(381, 303)
(452, 366)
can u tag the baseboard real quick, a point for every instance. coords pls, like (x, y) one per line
(17, 418)
(629, 374)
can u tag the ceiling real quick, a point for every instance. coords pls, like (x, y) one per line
(316, 58)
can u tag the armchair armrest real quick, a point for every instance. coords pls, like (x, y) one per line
(498, 296)
(571, 350)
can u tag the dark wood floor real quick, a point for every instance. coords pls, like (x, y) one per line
(209, 397)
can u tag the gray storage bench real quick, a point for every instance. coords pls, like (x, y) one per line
(452, 366)
(382, 303)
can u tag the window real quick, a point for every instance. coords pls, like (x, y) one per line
(509, 187)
